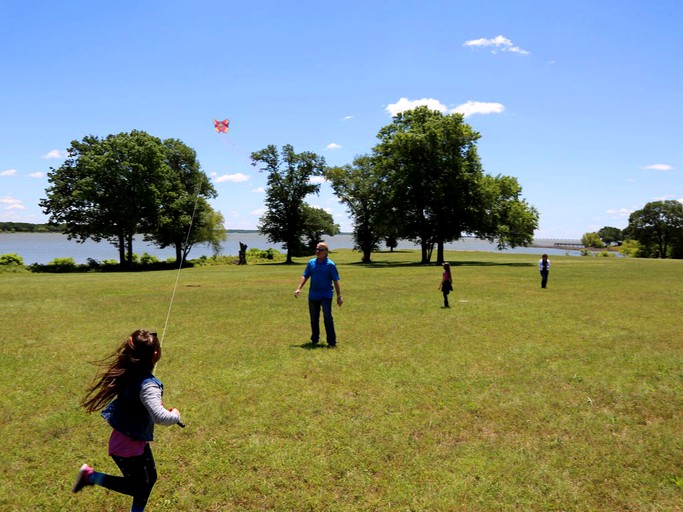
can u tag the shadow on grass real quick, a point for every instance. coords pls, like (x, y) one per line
(394, 264)
(312, 346)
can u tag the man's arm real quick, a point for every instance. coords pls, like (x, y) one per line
(302, 282)
(337, 289)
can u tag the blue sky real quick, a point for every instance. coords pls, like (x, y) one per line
(580, 101)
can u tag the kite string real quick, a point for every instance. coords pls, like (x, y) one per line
(180, 267)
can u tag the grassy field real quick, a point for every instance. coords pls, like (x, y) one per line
(516, 398)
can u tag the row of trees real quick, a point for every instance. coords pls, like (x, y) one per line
(133, 183)
(656, 230)
(423, 182)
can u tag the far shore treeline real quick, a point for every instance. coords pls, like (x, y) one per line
(26, 227)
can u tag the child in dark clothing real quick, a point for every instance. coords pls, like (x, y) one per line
(446, 285)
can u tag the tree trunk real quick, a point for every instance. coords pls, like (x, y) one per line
(427, 249)
(122, 250)
(129, 256)
(367, 256)
(178, 254)
(439, 252)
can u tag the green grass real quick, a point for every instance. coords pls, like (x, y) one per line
(516, 398)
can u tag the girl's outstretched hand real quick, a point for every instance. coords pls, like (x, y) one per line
(180, 423)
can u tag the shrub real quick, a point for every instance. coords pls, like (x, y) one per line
(207, 261)
(270, 254)
(11, 260)
(630, 248)
(592, 240)
(63, 265)
(148, 259)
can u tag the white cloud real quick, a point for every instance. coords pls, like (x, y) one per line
(346, 118)
(658, 167)
(8, 172)
(232, 178)
(9, 203)
(37, 174)
(498, 43)
(618, 213)
(471, 108)
(259, 211)
(405, 104)
(333, 146)
(259, 190)
(467, 109)
(55, 153)
(318, 179)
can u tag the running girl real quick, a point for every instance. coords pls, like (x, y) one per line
(130, 397)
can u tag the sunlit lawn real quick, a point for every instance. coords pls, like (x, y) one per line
(516, 398)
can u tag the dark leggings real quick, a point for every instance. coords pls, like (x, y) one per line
(139, 476)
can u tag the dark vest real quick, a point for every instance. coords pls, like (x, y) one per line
(127, 413)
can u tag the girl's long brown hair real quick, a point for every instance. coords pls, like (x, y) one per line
(134, 358)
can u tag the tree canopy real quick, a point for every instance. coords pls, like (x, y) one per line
(610, 235)
(316, 224)
(126, 184)
(289, 182)
(424, 182)
(184, 205)
(430, 163)
(658, 228)
(364, 194)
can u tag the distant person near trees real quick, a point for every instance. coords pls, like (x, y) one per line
(323, 274)
(446, 285)
(544, 268)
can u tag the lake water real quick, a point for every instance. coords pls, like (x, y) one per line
(42, 248)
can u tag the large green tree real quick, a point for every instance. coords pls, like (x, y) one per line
(184, 217)
(429, 163)
(116, 187)
(289, 182)
(438, 190)
(658, 228)
(362, 190)
(107, 189)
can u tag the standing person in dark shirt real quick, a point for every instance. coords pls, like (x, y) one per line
(544, 268)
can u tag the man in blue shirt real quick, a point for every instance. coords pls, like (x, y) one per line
(323, 274)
